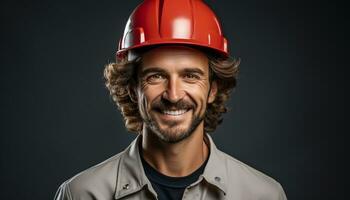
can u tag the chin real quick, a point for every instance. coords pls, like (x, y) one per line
(172, 135)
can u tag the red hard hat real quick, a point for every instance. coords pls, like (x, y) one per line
(189, 22)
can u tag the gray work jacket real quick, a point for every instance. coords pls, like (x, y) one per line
(122, 177)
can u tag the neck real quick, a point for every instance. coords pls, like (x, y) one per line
(175, 159)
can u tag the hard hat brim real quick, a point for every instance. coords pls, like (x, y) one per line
(185, 42)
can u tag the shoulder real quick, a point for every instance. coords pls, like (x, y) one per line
(98, 179)
(249, 182)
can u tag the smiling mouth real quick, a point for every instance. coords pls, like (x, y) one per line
(173, 112)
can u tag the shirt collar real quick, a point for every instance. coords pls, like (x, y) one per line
(131, 176)
(215, 172)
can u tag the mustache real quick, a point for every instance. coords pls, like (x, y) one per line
(164, 104)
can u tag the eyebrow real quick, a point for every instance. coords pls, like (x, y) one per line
(194, 70)
(160, 70)
(152, 70)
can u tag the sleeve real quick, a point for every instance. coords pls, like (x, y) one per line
(63, 192)
(282, 194)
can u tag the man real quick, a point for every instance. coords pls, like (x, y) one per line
(171, 79)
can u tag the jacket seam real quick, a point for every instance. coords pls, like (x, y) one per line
(69, 192)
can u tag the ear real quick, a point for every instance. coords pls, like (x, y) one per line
(213, 91)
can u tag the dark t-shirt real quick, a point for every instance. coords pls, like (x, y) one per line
(167, 187)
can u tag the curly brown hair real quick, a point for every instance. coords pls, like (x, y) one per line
(121, 76)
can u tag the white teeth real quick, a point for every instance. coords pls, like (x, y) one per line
(174, 112)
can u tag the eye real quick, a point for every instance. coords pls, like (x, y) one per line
(155, 78)
(191, 76)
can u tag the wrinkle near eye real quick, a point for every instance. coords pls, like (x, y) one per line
(143, 84)
(201, 84)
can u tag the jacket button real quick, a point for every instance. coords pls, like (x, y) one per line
(126, 186)
(218, 179)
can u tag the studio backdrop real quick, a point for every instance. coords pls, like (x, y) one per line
(286, 116)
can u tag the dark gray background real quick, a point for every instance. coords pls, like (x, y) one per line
(287, 113)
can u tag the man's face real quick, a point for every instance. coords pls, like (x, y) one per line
(173, 91)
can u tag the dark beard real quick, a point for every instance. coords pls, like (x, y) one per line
(171, 135)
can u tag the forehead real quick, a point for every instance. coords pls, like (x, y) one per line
(174, 57)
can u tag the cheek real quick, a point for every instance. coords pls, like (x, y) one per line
(150, 93)
(198, 93)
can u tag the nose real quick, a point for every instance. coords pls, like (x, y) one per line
(174, 91)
